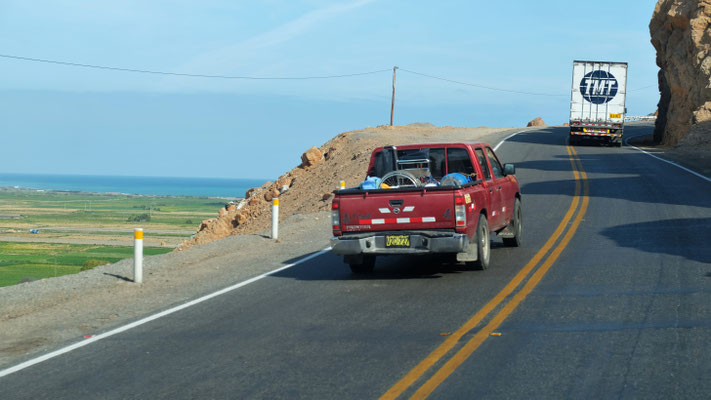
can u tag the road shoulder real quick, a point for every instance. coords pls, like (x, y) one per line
(695, 159)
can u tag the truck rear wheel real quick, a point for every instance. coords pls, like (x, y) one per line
(360, 264)
(483, 244)
(515, 226)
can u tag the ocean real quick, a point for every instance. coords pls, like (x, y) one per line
(145, 185)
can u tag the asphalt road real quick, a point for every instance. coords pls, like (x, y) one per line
(618, 305)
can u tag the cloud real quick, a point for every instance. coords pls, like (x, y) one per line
(229, 55)
(295, 27)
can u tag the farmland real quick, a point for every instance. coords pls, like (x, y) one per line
(52, 233)
(22, 262)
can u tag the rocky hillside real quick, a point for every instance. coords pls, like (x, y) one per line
(308, 188)
(681, 34)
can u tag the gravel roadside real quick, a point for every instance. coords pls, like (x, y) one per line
(40, 316)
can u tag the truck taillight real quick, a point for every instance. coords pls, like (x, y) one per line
(335, 217)
(460, 211)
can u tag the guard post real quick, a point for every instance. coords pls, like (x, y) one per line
(138, 255)
(275, 218)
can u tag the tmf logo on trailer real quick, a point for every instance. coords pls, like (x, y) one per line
(598, 87)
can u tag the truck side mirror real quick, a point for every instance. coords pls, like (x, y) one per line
(509, 169)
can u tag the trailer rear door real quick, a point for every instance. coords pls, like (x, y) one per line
(598, 92)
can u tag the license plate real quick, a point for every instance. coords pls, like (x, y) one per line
(397, 241)
(615, 115)
(595, 130)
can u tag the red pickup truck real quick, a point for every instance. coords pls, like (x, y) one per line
(428, 198)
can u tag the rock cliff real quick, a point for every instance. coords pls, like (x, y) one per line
(681, 34)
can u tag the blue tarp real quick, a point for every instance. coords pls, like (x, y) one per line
(370, 182)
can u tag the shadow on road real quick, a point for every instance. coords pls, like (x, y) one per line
(547, 136)
(331, 267)
(301, 257)
(615, 188)
(557, 136)
(682, 237)
(636, 182)
(544, 165)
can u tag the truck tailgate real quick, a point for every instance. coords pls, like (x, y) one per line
(390, 210)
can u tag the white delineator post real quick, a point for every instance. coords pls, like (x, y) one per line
(275, 218)
(138, 255)
(342, 185)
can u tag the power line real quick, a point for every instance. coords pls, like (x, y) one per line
(499, 89)
(482, 86)
(143, 71)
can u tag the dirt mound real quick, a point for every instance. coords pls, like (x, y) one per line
(421, 125)
(308, 188)
(538, 121)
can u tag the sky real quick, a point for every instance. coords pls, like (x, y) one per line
(67, 119)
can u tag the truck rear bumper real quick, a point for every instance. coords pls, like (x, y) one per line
(609, 136)
(596, 132)
(420, 243)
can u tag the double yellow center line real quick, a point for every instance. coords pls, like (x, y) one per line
(577, 210)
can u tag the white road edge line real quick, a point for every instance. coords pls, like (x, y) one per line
(153, 317)
(707, 179)
(507, 138)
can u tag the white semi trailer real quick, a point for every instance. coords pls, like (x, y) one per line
(597, 101)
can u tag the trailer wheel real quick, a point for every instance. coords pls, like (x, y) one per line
(363, 266)
(483, 245)
(515, 226)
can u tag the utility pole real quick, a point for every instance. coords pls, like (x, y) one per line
(392, 103)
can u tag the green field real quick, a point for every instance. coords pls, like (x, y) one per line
(67, 221)
(80, 209)
(22, 262)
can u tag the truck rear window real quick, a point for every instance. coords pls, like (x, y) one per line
(456, 160)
